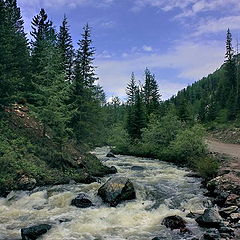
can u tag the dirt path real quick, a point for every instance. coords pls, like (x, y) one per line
(232, 150)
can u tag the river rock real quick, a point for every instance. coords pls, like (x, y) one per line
(174, 222)
(225, 212)
(116, 190)
(137, 168)
(235, 217)
(212, 234)
(193, 215)
(210, 218)
(110, 155)
(82, 201)
(193, 175)
(227, 230)
(26, 183)
(232, 199)
(34, 232)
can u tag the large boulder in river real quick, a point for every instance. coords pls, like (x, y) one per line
(34, 232)
(174, 222)
(26, 183)
(116, 190)
(82, 201)
(210, 218)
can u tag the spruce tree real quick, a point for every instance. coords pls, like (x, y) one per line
(44, 41)
(131, 90)
(13, 51)
(151, 93)
(64, 42)
(230, 78)
(49, 89)
(85, 106)
(139, 116)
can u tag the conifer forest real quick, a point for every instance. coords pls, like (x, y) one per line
(58, 127)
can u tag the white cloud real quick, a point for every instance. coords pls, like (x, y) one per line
(191, 60)
(190, 7)
(218, 25)
(147, 48)
(63, 3)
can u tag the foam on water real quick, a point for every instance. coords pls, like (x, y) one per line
(162, 190)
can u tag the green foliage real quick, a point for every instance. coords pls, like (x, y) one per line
(119, 138)
(14, 53)
(207, 167)
(188, 145)
(160, 132)
(215, 97)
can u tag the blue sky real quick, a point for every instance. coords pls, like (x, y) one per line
(180, 41)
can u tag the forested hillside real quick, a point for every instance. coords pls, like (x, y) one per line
(173, 130)
(213, 98)
(52, 110)
(50, 105)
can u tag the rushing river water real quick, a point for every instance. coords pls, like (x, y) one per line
(162, 190)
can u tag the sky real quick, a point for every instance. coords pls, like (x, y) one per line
(180, 41)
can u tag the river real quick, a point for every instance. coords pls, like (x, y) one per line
(162, 190)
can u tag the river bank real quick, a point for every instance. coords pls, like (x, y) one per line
(162, 190)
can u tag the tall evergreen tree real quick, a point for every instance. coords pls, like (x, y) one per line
(131, 90)
(138, 117)
(65, 46)
(50, 91)
(43, 43)
(230, 78)
(13, 51)
(84, 102)
(151, 93)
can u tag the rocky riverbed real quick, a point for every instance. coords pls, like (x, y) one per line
(146, 199)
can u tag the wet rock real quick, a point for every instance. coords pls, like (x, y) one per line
(232, 199)
(34, 232)
(112, 170)
(225, 212)
(226, 230)
(210, 218)
(174, 222)
(193, 175)
(26, 183)
(110, 155)
(193, 215)
(116, 190)
(82, 201)
(64, 220)
(225, 183)
(220, 197)
(137, 168)
(212, 234)
(235, 217)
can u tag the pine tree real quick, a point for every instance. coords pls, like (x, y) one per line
(64, 42)
(151, 92)
(85, 106)
(131, 90)
(13, 51)
(50, 91)
(230, 78)
(43, 43)
(138, 118)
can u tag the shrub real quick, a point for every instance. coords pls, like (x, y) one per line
(207, 167)
(119, 138)
(189, 144)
